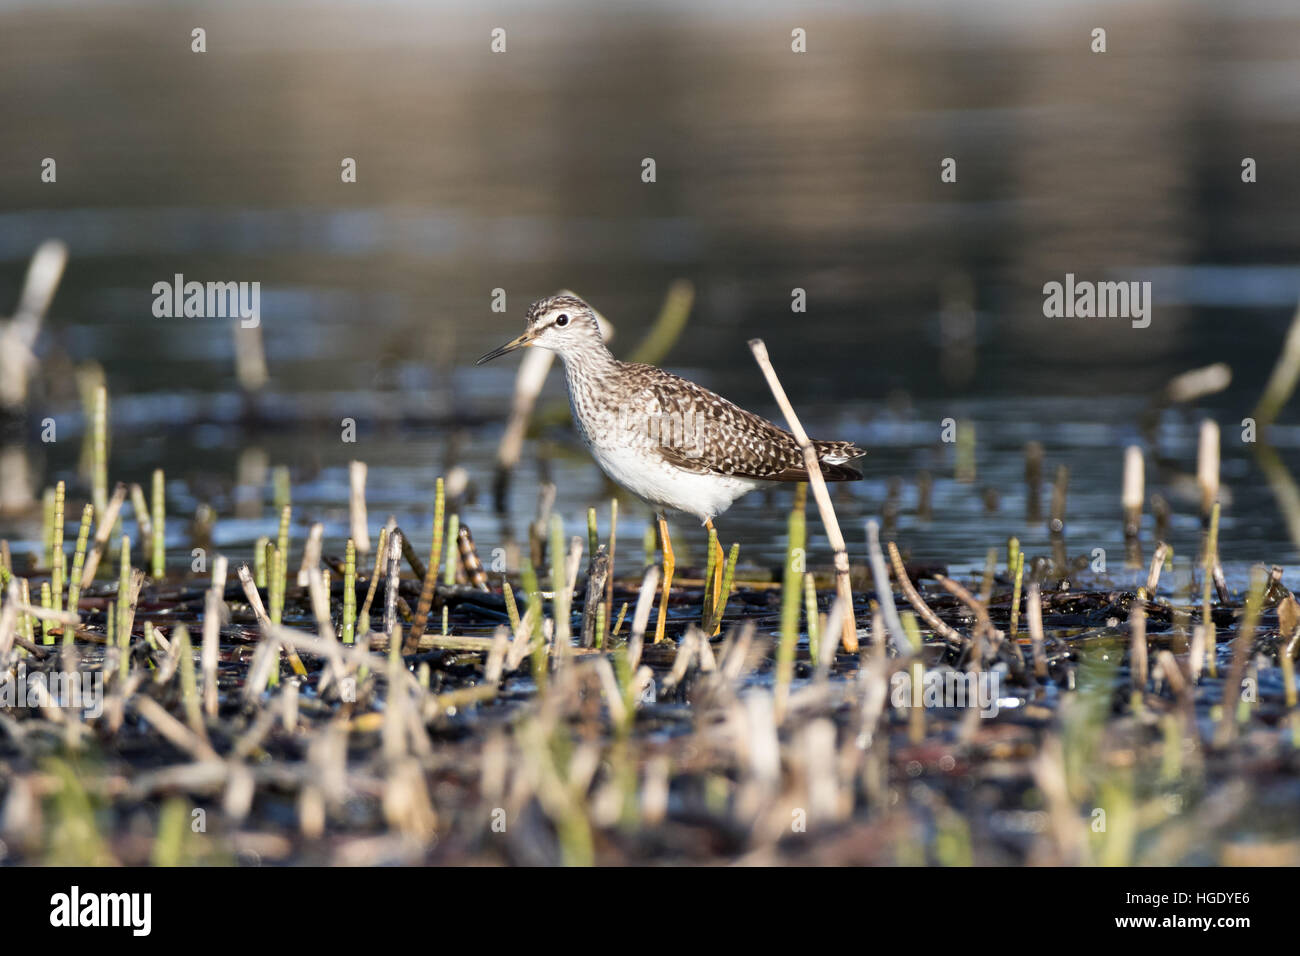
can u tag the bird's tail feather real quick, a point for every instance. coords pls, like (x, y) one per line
(834, 457)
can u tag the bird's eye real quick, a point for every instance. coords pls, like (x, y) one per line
(562, 319)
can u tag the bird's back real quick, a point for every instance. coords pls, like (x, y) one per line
(701, 432)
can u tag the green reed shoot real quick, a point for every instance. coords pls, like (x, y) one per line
(58, 564)
(512, 609)
(99, 466)
(47, 527)
(350, 593)
(28, 621)
(261, 548)
(728, 576)
(189, 679)
(593, 537)
(709, 596)
(439, 527)
(159, 523)
(78, 562)
(990, 570)
(47, 626)
(796, 539)
(124, 585)
(528, 577)
(280, 488)
(282, 539)
(618, 625)
(110, 628)
(601, 622)
(278, 572)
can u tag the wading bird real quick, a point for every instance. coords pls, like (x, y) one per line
(672, 443)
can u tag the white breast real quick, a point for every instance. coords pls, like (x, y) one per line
(662, 485)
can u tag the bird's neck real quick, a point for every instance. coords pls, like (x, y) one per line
(589, 361)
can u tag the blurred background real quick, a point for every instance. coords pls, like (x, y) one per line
(774, 171)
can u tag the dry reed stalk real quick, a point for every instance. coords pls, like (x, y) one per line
(918, 603)
(357, 506)
(849, 630)
(103, 531)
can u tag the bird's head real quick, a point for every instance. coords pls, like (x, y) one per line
(561, 323)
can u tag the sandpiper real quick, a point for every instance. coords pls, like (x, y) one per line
(672, 443)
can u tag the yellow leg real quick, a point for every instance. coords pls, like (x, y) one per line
(719, 560)
(670, 565)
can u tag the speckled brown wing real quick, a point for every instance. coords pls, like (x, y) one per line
(706, 434)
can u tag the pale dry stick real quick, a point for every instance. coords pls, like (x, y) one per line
(1211, 558)
(528, 385)
(357, 505)
(320, 603)
(849, 629)
(1198, 383)
(338, 656)
(914, 598)
(1196, 653)
(521, 645)
(264, 619)
(170, 662)
(211, 634)
(141, 509)
(884, 591)
(1157, 563)
(826, 652)
(736, 653)
(1132, 495)
(1168, 665)
(254, 598)
(609, 687)
(172, 729)
(1034, 614)
(682, 659)
(18, 335)
(1177, 678)
(1207, 464)
(497, 656)
(983, 625)
(265, 658)
(9, 618)
(1137, 625)
(961, 593)
(103, 531)
(564, 602)
(311, 553)
(641, 617)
